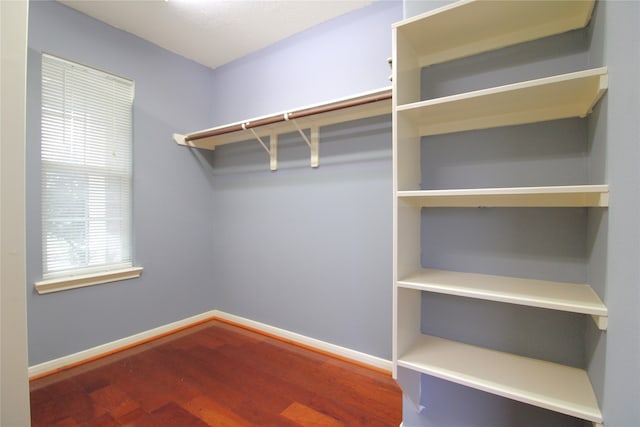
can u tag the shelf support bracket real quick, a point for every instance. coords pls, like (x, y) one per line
(314, 143)
(601, 321)
(272, 150)
(315, 146)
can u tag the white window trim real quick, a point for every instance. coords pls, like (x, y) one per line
(84, 280)
(65, 280)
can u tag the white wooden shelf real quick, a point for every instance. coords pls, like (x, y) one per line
(570, 297)
(536, 382)
(550, 98)
(469, 27)
(459, 30)
(360, 106)
(552, 196)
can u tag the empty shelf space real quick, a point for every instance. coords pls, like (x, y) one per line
(469, 27)
(536, 382)
(571, 297)
(549, 98)
(553, 196)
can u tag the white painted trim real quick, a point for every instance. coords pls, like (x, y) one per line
(337, 350)
(14, 388)
(114, 346)
(72, 282)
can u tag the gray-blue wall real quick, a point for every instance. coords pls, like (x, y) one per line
(309, 250)
(172, 204)
(305, 250)
(615, 355)
(599, 246)
(342, 57)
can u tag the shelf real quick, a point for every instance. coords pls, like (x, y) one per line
(540, 383)
(459, 30)
(550, 98)
(369, 104)
(469, 27)
(554, 196)
(571, 297)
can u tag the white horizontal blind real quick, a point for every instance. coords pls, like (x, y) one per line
(86, 169)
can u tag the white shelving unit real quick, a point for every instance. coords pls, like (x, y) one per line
(466, 28)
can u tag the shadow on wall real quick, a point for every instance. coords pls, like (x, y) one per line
(566, 53)
(357, 141)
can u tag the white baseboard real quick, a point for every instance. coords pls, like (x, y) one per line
(347, 353)
(114, 346)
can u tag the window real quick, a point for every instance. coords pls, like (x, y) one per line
(86, 139)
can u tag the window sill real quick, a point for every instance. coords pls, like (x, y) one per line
(72, 282)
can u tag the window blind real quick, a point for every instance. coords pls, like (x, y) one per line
(86, 144)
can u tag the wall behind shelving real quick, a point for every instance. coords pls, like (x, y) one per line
(614, 357)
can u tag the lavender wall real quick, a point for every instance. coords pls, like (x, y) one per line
(309, 250)
(614, 357)
(339, 58)
(305, 250)
(172, 225)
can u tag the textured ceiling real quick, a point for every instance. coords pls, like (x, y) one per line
(214, 32)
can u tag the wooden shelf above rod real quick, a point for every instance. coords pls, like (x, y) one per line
(368, 104)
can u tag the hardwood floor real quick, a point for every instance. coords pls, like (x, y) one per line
(216, 374)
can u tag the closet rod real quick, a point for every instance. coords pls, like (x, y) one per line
(290, 116)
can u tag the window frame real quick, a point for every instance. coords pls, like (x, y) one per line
(88, 274)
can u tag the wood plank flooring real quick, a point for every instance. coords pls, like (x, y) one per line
(216, 374)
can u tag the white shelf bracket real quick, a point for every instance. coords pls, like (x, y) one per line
(315, 146)
(601, 321)
(314, 143)
(272, 150)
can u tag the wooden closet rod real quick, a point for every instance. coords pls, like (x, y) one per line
(289, 116)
